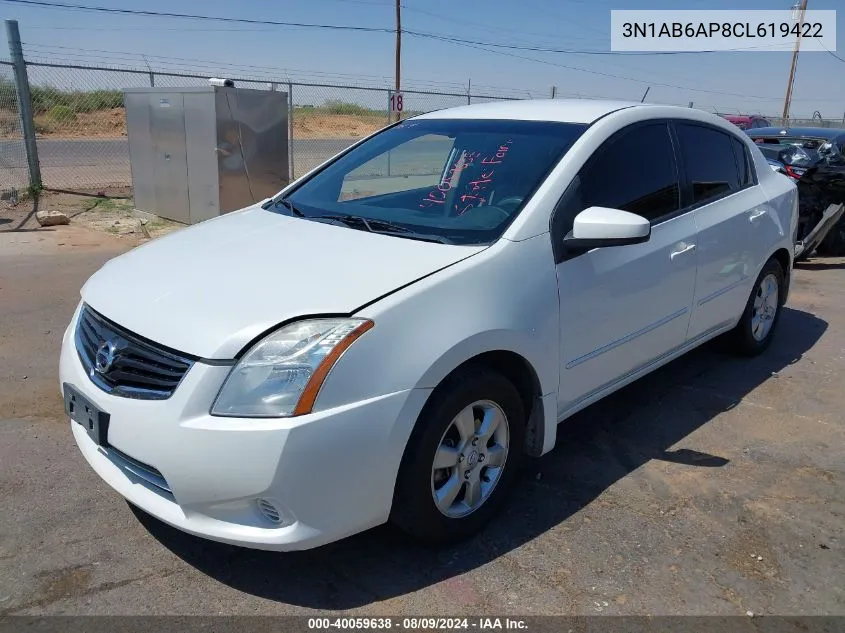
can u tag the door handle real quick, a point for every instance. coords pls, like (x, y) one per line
(756, 215)
(684, 248)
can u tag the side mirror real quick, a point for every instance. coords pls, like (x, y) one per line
(598, 227)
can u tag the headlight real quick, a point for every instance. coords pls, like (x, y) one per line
(282, 374)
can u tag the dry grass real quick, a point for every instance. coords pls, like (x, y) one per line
(310, 125)
(100, 124)
(9, 124)
(112, 124)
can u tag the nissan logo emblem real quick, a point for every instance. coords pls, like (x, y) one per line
(104, 357)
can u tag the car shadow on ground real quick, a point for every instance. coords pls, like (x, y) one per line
(819, 264)
(595, 449)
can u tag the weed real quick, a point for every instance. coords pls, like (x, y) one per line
(61, 114)
(109, 204)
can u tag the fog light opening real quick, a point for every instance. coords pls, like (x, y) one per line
(272, 513)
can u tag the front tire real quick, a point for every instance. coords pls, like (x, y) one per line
(461, 458)
(759, 320)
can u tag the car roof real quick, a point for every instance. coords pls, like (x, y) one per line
(558, 110)
(801, 132)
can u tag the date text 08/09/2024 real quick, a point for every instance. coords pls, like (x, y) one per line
(417, 624)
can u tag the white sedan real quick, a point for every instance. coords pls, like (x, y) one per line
(387, 337)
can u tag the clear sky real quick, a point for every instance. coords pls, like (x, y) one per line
(746, 81)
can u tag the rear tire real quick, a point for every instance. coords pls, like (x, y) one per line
(759, 320)
(461, 458)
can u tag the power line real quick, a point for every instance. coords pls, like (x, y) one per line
(99, 56)
(610, 75)
(108, 65)
(41, 27)
(366, 29)
(497, 30)
(830, 52)
(164, 14)
(479, 45)
(263, 70)
(266, 30)
(568, 51)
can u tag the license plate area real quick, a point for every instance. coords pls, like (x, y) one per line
(82, 411)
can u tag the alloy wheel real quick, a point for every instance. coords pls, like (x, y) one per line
(470, 459)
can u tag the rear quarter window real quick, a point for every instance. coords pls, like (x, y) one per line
(747, 175)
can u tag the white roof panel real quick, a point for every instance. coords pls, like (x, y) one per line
(562, 110)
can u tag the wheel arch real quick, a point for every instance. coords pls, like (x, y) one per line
(517, 369)
(784, 258)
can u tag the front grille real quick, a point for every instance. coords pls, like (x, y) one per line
(124, 364)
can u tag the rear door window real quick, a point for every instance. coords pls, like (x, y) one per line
(709, 164)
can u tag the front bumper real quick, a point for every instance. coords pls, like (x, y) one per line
(329, 474)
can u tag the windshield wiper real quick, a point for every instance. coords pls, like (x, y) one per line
(372, 225)
(398, 230)
(353, 221)
(423, 237)
(289, 205)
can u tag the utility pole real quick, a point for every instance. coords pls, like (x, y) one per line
(24, 103)
(397, 88)
(788, 100)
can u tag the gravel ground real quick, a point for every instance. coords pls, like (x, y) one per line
(714, 486)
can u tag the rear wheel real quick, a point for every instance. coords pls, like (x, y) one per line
(461, 458)
(755, 329)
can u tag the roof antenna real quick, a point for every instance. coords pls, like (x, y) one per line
(644, 95)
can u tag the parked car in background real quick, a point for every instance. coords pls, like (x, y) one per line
(746, 122)
(815, 159)
(371, 346)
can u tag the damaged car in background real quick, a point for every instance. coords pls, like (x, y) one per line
(814, 158)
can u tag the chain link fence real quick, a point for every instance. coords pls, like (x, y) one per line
(81, 126)
(808, 122)
(13, 166)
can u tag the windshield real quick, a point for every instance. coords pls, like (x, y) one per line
(456, 181)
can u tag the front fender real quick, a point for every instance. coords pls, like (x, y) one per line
(504, 298)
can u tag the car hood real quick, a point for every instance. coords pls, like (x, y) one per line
(209, 289)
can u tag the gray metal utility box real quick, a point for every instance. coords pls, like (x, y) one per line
(197, 153)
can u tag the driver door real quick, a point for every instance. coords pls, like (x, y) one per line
(624, 308)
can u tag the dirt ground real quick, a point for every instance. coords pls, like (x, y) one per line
(111, 213)
(714, 486)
